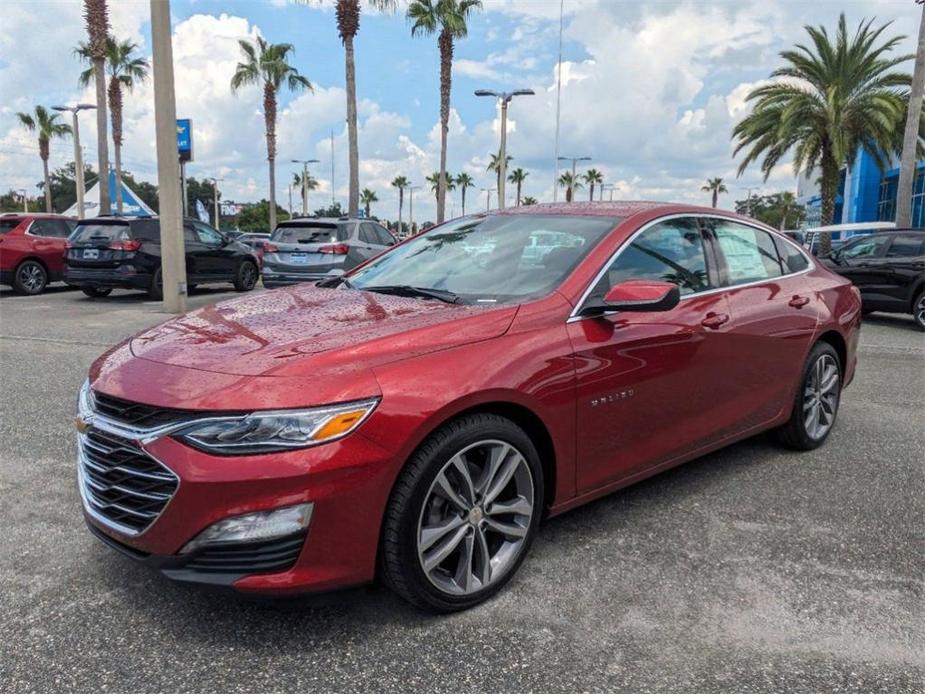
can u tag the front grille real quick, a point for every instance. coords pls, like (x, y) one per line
(135, 413)
(266, 556)
(121, 482)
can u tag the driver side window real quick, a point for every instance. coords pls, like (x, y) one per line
(670, 251)
(208, 235)
(865, 248)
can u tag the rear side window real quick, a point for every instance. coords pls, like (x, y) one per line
(791, 257)
(908, 246)
(749, 253)
(368, 234)
(105, 233)
(310, 233)
(385, 238)
(51, 228)
(671, 251)
(866, 247)
(147, 231)
(8, 225)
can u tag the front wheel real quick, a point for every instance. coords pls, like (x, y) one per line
(246, 277)
(156, 288)
(463, 514)
(96, 292)
(30, 278)
(918, 310)
(817, 400)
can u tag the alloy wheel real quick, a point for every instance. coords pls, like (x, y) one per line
(31, 277)
(820, 396)
(919, 312)
(476, 517)
(249, 275)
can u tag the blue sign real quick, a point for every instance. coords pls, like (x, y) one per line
(185, 139)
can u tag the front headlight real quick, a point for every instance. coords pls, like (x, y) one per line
(266, 432)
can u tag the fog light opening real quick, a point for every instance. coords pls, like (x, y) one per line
(254, 527)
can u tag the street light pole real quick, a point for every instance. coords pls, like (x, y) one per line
(305, 163)
(607, 186)
(25, 200)
(411, 189)
(78, 154)
(505, 98)
(218, 223)
(173, 255)
(571, 187)
(488, 199)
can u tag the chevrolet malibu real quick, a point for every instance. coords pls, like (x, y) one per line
(415, 419)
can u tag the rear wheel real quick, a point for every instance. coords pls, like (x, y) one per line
(96, 292)
(30, 278)
(817, 400)
(156, 288)
(463, 514)
(246, 277)
(918, 310)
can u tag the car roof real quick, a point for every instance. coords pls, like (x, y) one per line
(33, 215)
(623, 209)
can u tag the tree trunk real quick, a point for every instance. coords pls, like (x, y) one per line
(115, 107)
(102, 136)
(354, 194)
(48, 206)
(715, 197)
(464, 201)
(828, 191)
(911, 135)
(518, 193)
(401, 203)
(568, 194)
(446, 75)
(269, 114)
(591, 195)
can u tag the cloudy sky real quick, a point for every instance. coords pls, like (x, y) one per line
(650, 90)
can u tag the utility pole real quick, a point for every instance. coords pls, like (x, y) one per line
(411, 189)
(332, 169)
(488, 199)
(571, 188)
(78, 154)
(305, 163)
(610, 187)
(218, 222)
(25, 200)
(173, 255)
(505, 99)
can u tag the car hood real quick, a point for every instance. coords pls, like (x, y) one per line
(301, 330)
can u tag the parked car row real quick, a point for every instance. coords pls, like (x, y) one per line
(101, 254)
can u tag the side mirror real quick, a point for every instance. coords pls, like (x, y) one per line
(636, 295)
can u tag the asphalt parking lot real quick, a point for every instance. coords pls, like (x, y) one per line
(750, 570)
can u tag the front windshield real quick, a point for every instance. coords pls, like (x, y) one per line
(499, 258)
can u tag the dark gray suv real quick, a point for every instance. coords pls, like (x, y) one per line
(308, 249)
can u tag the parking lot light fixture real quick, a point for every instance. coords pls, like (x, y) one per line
(574, 160)
(488, 191)
(78, 154)
(215, 182)
(505, 99)
(25, 200)
(411, 189)
(305, 163)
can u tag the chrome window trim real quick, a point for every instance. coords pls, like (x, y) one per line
(576, 311)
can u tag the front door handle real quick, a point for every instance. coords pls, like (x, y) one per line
(799, 301)
(714, 320)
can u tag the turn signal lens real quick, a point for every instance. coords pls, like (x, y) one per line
(339, 425)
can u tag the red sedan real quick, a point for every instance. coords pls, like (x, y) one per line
(32, 247)
(415, 419)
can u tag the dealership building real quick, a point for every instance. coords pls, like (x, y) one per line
(867, 194)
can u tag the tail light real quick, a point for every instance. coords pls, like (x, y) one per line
(334, 248)
(270, 248)
(133, 245)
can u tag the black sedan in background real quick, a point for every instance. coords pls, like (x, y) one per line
(889, 270)
(125, 252)
(307, 249)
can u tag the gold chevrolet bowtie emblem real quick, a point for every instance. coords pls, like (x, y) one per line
(81, 425)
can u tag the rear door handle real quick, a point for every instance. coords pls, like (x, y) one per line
(799, 301)
(714, 320)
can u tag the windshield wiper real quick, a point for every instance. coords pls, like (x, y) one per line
(408, 290)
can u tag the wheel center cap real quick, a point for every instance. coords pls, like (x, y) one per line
(476, 515)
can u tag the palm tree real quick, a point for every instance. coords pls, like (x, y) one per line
(570, 183)
(715, 186)
(593, 177)
(518, 176)
(47, 127)
(835, 98)
(368, 197)
(912, 136)
(464, 181)
(265, 63)
(348, 24)
(96, 16)
(125, 69)
(311, 183)
(529, 200)
(434, 180)
(401, 183)
(788, 203)
(447, 18)
(494, 164)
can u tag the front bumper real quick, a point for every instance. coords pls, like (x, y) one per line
(346, 480)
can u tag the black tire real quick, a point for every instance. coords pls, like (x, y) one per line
(246, 277)
(156, 288)
(96, 292)
(918, 310)
(30, 278)
(400, 564)
(795, 433)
